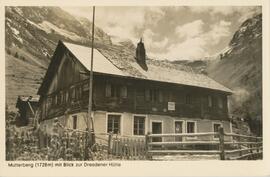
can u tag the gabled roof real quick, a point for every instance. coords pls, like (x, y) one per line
(100, 64)
(104, 63)
(155, 73)
(34, 98)
(24, 99)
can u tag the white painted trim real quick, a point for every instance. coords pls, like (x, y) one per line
(183, 125)
(213, 123)
(145, 124)
(162, 128)
(121, 121)
(195, 129)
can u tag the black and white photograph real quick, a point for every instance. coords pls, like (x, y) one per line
(133, 83)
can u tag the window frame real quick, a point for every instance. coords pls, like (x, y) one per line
(195, 129)
(188, 99)
(183, 128)
(145, 124)
(120, 123)
(213, 128)
(220, 102)
(162, 126)
(123, 91)
(75, 123)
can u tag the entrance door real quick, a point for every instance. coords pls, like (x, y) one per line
(178, 129)
(157, 129)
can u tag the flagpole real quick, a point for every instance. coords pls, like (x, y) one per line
(90, 118)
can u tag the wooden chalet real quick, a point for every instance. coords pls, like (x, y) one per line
(130, 99)
(27, 106)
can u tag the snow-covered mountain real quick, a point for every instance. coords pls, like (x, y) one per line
(239, 67)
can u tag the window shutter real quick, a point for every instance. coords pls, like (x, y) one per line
(124, 92)
(108, 92)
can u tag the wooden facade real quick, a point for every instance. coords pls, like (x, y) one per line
(27, 107)
(116, 94)
(65, 91)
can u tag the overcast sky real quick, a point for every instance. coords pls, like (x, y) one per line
(176, 32)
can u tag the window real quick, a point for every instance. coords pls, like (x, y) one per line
(153, 95)
(188, 99)
(216, 128)
(220, 102)
(74, 122)
(210, 104)
(115, 90)
(113, 124)
(191, 127)
(139, 125)
(123, 92)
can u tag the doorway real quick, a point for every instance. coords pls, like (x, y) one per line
(178, 128)
(157, 129)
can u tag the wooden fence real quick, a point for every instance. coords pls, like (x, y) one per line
(238, 147)
(226, 146)
(129, 148)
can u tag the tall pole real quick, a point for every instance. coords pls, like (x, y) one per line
(91, 122)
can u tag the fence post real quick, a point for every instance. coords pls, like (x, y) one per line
(257, 146)
(86, 146)
(109, 143)
(147, 139)
(221, 143)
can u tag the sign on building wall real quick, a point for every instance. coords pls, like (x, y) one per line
(171, 106)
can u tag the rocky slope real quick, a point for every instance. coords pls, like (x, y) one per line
(32, 34)
(239, 67)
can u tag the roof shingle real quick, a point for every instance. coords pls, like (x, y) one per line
(155, 72)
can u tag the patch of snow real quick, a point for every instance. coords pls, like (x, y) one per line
(36, 25)
(15, 31)
(49, 28)
(18, 10)
(45, 53)
(19, 39)
(243, 29)
(16, 34)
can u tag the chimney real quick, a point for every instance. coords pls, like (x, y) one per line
(140, 55)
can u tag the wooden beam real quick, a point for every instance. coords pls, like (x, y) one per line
(184, 134)
(186, 143)
(184, 152)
